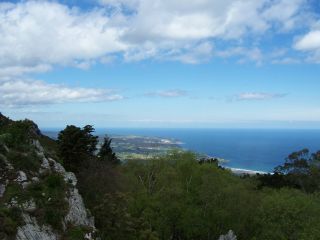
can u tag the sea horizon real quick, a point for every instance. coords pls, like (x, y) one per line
(247, 149)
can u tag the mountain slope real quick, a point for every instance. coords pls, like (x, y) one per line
(38, 198)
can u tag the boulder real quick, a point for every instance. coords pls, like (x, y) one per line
(22, 177)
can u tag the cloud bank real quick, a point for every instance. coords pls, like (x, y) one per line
(36, 35)
(21, 93)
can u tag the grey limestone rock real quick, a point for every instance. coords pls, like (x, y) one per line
(22, 177)
(32, 231)
(78, 214)
(229, 236)
(2, 190)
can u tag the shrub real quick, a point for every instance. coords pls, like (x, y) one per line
(24, 161)
(49, 195)
(10, 219)
(75, 233)
(13, 190)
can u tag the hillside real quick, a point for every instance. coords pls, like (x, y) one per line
(38, 198)
(173, 196)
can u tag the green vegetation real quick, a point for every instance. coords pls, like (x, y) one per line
(74, 233)
(26, 161)
(13, 190)
(178, 197)
(174, 196)
(301, 170)
(49, 192)
(10, 219)
(49, 195)
(50, 147)
(106, 153)
(17, 134)
(76, 145)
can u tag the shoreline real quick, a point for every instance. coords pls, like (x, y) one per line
(240, 171)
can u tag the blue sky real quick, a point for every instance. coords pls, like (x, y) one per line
(140, 63)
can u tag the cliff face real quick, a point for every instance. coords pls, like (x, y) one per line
(38, 198)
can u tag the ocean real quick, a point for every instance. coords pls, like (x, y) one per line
(252, 149)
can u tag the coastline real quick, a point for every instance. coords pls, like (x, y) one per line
(241, 171)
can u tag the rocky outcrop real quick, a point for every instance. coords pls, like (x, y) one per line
(32, 231)
(229, 236)
(77, 214)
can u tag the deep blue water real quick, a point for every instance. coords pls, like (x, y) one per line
(252, 149)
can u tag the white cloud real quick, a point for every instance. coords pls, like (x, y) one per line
(34, 33)
(197, 54)
(252, 96)
(310, 43)
(288, 13)
(47, 33)
(172, 93)
(20, 93)
(10, 71)
(244, 54)
(194, 20)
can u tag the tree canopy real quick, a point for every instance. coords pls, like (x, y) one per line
(76, 145)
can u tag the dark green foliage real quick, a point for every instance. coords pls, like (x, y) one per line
(3, 149)
(2, 163)
(25, 161)
(75, 233)
(97, 179)
(10, 219)
(49, 195)
(184, 200)
(296, 163)
(106, 153)
(173, 197)
(13, 190)
(177, 198)
(76, 145)
(114, 219)
(50, 146)
(301, 170)
(214, 161)
(17, 134)
(96, 182)
(288, 214)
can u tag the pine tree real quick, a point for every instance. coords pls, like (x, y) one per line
(106, 153)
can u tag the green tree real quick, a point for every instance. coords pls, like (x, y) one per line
(287, 214)
(106, 153)
(300, 170)
(76, 145)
